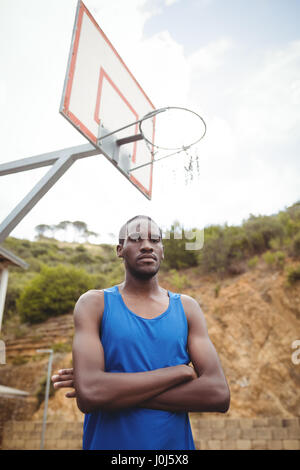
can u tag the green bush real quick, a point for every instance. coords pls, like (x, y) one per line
(61, 347)
(16, 284)
(213, 256)
(176, 254)
(280, 259)
(54, 291)
(260, 230)
(296, 246)
(82, 258)
(276, 243)
(217, 289)
(114, 276)
(179, 281)
(269, 258)
(293, 275)
(275, 259)
(253, 262)
(19, 360)
(40, 393)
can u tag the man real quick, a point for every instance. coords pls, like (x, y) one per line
(132, 348)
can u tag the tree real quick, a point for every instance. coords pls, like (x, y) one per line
(80, 228)
(41, 230)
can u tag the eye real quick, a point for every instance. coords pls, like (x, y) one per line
(155, 240)
(135, 237)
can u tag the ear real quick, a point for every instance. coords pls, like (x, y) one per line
(120, 251)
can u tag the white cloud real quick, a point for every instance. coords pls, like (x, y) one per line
(162, 67)
(168, 3)
(210, 57)
(268, 102)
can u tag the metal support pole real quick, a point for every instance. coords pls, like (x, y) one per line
(46, 394)
(3, 289)
(62, 159)
(128, 140)
(46, 159)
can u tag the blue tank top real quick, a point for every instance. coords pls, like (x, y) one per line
(135, 344)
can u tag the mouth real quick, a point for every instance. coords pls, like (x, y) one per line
(146, 258)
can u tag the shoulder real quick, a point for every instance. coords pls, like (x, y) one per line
(89, 306)
(193, 311)
(93, 296)
(189, 303)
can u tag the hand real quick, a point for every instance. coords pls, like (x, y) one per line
(194, 373)
(189, 371)
(64, 379)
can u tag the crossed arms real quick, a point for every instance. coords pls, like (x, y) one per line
(200, 388)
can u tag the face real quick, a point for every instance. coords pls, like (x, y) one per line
(142, 249)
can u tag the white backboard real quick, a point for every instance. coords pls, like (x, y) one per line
(101, 95)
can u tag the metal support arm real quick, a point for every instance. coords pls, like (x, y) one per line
(61, 161)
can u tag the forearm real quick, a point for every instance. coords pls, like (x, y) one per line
(113, 391)
(204, 394)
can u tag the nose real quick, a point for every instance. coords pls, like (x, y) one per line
(146, 245)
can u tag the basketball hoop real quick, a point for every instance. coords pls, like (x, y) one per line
(184, 143)
(177, 131)
(172, 133)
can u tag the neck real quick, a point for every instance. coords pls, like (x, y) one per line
(133, 285)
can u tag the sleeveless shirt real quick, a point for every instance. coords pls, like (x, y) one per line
(135, 344)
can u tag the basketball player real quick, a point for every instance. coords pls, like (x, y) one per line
(142, 356)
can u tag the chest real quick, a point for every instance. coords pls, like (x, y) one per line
(147, 308)
(132, 342)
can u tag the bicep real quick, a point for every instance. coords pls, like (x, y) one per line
(87, 350)
(200, 347)
(203, 354)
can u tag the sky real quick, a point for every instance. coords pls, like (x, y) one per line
(235, 62)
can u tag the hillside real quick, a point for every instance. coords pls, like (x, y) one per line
(252, 319)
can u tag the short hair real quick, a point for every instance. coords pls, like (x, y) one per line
(123, 229)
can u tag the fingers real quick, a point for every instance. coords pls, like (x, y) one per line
(60, 378)
(64, 384)
(62, 375)
(65, 372)
(64, 379)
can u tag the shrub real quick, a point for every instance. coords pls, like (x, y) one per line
(19, 360)
(253, 262)
(275, 259)
(280, 259)
(179, 281)
(276, 243)
(217, 289)
(40, 394)
(293, 275)
(261, 230)
(213, 257)
(82, 258)
(296, 246)
(61, 347)
(269, 258)
(176, 254)
(112, 277)
(53, 292)
(16, 285)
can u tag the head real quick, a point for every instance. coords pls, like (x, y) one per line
(140, 246)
